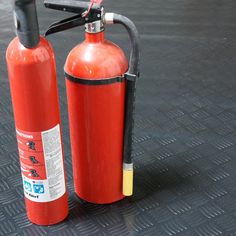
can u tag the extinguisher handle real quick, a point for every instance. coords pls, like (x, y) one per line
(26, 22)
(79, 7)
(73, 6)
(131, 75)
(65, 24)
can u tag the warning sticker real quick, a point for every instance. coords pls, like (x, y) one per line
(41, 164)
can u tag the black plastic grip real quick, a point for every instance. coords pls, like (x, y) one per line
(26, 22)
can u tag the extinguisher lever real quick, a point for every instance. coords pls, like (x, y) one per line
(74, 6)
(131, 75)
(65, 24)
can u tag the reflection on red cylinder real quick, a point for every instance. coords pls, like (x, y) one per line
(34, 93)
(96, 117)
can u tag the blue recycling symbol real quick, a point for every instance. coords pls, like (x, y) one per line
(38, 188)
(27, 186)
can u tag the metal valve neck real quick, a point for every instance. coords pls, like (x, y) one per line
(94, 27)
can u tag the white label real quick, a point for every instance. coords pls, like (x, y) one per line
(52, 185)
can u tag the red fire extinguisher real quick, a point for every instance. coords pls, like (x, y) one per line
(32, 76)
(100, 85)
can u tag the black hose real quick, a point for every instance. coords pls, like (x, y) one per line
(132, 73)
(26, 21)
(129, 121)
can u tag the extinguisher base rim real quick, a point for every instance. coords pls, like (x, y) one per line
(47, 223)
(52, 219)
(117, 199)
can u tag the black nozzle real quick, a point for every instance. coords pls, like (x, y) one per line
(26, 22)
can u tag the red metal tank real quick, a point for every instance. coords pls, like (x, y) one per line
(34, 93)
(96, 98)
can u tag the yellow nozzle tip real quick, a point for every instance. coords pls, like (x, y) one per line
(128, 182)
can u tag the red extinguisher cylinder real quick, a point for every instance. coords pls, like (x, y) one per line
(96, 99)
(33, 85)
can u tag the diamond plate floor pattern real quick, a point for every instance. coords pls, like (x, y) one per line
(185, 130)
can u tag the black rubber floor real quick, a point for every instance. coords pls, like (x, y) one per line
(185, 133)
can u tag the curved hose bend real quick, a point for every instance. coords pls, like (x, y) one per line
(134, 37)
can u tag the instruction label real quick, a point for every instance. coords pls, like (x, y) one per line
(41, 164)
